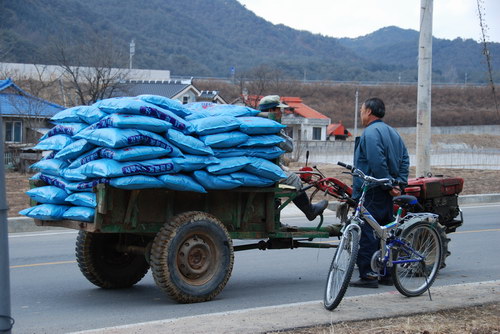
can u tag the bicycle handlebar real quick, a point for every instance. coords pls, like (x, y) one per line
(370, 179)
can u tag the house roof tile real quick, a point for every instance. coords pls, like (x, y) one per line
(337, 129)
(17, 102)
(298, 107)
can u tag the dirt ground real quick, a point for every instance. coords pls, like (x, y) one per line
(483, 319)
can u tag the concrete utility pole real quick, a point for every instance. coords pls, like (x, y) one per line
(5, 320)
(356, 115)
(424, 89)
(132, 52)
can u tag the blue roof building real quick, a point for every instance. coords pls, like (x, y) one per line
(23, 114)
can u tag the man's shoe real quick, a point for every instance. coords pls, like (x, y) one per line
(386, 280)
(365, 283)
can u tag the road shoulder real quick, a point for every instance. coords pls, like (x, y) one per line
(283, 317)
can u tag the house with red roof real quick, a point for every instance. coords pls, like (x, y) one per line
(337, 131)
(303, 122)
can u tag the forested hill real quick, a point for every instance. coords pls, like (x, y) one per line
(209, 37)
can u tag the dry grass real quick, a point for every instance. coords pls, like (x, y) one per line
(484, 319)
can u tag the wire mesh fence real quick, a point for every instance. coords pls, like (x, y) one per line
(331, 152)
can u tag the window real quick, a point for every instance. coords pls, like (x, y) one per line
(185, 99)
(13, 131)
(316, 133)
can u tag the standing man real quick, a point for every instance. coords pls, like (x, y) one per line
(273, 104)
(379, 152)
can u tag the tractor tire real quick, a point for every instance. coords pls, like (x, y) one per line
(192, 257)
(103, 265)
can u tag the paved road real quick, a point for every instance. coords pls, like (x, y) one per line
(49, 294)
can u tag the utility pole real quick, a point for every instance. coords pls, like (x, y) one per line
(356, 115)
(424, 89)
(6, 321)
(132, 52)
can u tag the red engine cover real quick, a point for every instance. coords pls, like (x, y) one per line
(431, 187)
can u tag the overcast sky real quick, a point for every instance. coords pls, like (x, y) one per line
(354, 18)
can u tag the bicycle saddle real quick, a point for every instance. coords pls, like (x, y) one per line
(405, 200)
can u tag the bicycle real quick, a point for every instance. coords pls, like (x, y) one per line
(412, 254)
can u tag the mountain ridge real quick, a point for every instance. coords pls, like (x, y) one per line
(209, 37)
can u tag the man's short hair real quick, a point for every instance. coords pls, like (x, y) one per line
(376, 105)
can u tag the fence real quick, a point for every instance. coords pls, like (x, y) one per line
(11, 159)
(333, 151)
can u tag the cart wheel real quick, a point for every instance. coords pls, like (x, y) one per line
(192, 257)
(103, 265)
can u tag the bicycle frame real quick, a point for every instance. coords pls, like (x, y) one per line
(384, 232)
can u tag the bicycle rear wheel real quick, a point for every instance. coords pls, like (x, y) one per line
(414, 278)
(341, 268)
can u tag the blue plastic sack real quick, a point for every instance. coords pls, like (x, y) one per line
(86, 185)
(228, 165)
(67, 115)
(203, 109)
(251, 180)
(262, 140)
(139, 107)
(50, 166)
(54, 181)
(51, 155)
(137, 122)
(73, 150)
(48, 195)
(118, 138)
(86, 158)
(209, 181)
(73, 174)
(197, 115)
(181, 182)
(136, 182)
(169, 104)
(87, 198)
(225, 139)
(45, 211)
(199, 106)
(189, 162)
(231, 110)
(69, 129)
(54, 143)
(80, 213)
(265, 168)
(216, 124)
(265, 152)
(111, 137)
(188, 144)
(132, 153)
(112, 168)
(71, 186)
(259, 125)
(90, 114)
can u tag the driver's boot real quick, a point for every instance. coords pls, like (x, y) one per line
(310, 210)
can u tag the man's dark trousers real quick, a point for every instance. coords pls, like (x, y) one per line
(379, 203)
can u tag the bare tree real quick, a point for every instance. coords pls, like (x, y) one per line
(264, 80)
(93, 69)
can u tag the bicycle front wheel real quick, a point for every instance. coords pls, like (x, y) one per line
(417, 262)
(341, 269)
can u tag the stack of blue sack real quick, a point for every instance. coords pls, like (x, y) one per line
(151, 141)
